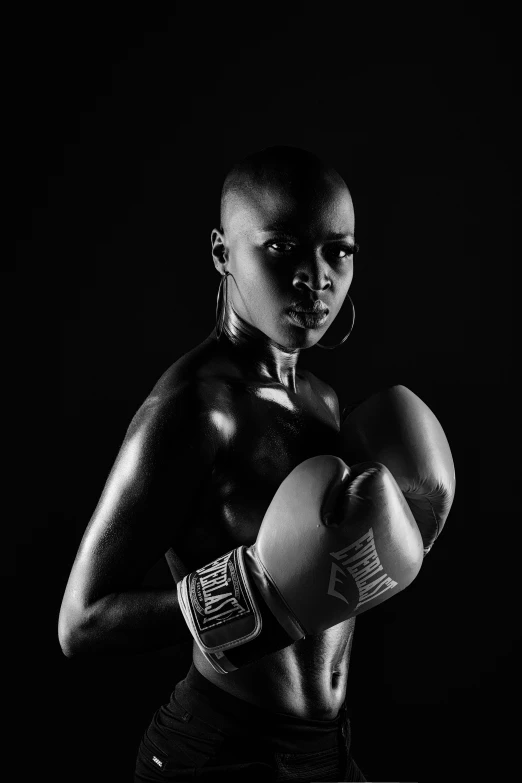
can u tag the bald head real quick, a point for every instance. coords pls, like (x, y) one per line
(296, 172)
(287, 235)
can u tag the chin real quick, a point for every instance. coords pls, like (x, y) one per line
(311, 340)
(301, 341)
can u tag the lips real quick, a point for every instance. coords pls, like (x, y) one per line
(309, 319)
(313, 308)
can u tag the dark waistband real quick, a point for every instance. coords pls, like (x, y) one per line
(232, 715)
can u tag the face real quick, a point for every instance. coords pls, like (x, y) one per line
(288, 250)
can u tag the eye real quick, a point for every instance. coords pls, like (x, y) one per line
(342, 251)
(281, 247)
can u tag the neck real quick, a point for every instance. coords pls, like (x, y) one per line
(258, 355)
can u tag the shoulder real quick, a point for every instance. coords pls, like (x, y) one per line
(176, 413)
(325, 391)
(396, 394)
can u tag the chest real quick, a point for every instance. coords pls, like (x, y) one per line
(265, 433)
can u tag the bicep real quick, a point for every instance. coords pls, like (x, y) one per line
(333, 404)
(328, 395)
(144, 507)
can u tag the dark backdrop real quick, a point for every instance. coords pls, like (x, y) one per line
(125, 125)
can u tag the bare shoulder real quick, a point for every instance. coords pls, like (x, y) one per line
(178, 407)
(325, 391)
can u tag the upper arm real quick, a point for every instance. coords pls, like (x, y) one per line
(146, 501)
(328, 395)
(351, 406)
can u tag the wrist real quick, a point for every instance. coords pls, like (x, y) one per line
(224, 605)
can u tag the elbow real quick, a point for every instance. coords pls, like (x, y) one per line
(68, 642)
(67, 645)
(72, 631)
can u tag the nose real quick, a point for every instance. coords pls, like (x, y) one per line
(313, 274)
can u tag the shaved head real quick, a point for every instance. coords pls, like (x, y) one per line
(286, 237)
(295, 171)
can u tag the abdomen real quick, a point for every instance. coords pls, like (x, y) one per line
(307, 679)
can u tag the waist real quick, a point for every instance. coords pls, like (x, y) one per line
(237, 717)
(308, 679)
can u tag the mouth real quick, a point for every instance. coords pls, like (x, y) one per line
(308, 319)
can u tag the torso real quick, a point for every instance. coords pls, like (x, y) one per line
(262, 431)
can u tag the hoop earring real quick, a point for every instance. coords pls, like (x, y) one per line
(346, 336)
(221, 316)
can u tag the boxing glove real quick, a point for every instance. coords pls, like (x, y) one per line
(396, 428)
(334, 542)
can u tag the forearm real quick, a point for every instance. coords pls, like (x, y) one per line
(124, 623)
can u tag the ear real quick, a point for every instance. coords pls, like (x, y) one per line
(219, 249)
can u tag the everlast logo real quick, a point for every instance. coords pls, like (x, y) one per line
(363, 565)
(216, 592)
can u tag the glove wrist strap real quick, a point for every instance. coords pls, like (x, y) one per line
(272, 597)
(224, 604)
(218, 604)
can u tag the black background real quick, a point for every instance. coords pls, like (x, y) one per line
(126, 123)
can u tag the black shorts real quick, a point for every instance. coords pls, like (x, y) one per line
(205, 733)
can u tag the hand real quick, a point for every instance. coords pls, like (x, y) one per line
(396, 428)
(334, 542)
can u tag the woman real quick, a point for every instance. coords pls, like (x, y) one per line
(201, 463)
